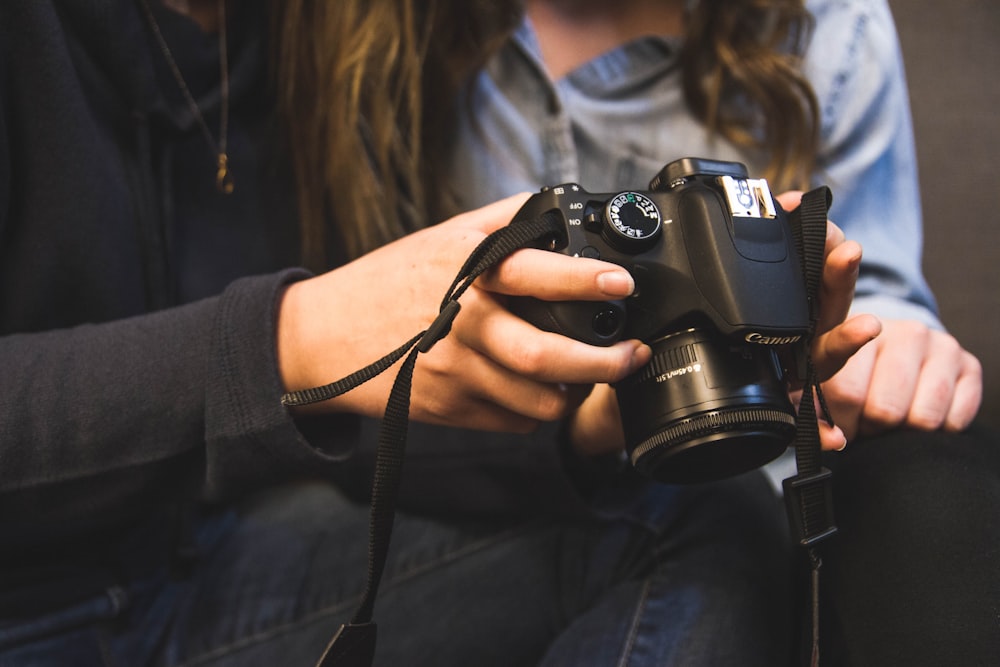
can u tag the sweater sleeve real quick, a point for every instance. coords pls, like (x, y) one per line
(97, 420)
(250, 437)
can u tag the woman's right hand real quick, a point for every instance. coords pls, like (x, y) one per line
(494, 371)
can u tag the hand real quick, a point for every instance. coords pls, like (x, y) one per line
(493, 371)
(837, 338)
(912, 376)
(595, 427)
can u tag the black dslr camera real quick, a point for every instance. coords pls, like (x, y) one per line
(719, 293)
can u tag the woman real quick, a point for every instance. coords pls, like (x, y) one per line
(805, 94)
(604, 94)
(160, 505)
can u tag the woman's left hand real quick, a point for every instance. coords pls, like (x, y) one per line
(911, 376)
(837, 338)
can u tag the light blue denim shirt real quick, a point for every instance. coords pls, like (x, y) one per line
(615, 121)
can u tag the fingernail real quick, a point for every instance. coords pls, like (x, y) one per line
(615, 283)
(843, 446)
(640, 356)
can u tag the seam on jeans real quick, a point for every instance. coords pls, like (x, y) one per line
(633, 631)
(103, 645)
(343, 605)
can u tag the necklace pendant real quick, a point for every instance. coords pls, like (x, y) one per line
(223, 179)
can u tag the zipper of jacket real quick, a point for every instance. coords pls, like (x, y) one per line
(153, 210)
(150, 217)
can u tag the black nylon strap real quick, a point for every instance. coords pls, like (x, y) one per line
(388, 471)
(808, 497)
(354, 643)
(328, 391)
(809, 223)
(809, 227)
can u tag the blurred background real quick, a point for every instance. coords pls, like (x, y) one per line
(952, 55)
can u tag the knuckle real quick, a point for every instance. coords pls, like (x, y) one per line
(551, 404)
(913, 330)
(950, 346)
(509, 271)
(846, 391)
(432, 410)
(972, 367)
(930, 414)
(925, 421)
(886, 412)
(939, 395)
(530, 356)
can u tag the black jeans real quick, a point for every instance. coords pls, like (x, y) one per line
(913, 576)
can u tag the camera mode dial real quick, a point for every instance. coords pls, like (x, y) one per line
(632, 222)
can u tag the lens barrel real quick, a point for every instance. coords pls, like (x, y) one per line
(705, 408)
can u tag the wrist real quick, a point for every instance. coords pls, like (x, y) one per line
(288, 339)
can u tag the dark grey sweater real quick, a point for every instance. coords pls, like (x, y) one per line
(137, 306)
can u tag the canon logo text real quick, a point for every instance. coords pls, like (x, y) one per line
(761, 339)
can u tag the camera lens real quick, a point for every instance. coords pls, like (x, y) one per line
(705, 408)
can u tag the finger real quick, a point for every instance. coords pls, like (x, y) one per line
(847, 391)
(486, 393)
(832, 350)
(840, 273)
(513, 343)
(968, 394)
(596, 428)
(831, 437)
(790, 200)
(935, 390)
(834, 237)
(555, 277)
(483, 415)
(895, 376)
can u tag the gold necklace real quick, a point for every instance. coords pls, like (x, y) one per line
(223, 178)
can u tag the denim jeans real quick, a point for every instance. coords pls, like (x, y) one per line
(669, 576)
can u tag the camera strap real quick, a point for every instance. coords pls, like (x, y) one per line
(354, 643)
(807, 494)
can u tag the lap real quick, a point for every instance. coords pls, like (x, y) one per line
(664, 575)
(911, 577)
(671, 575)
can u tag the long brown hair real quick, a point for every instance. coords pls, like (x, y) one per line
(742, 77)
(366, 90)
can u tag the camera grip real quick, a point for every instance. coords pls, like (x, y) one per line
(600, 323)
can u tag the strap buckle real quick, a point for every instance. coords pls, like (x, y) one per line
(809, 502)
(440, 327)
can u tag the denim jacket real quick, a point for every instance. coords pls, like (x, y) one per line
(612, 123)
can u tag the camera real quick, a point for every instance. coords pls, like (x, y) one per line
(720, 298)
